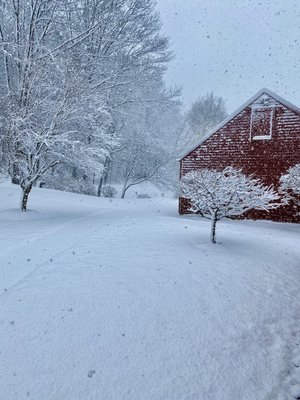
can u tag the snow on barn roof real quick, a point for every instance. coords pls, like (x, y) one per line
(246, 104)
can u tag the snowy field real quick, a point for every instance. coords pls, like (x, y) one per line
(125, 300)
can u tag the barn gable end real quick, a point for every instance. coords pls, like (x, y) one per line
(261, 138)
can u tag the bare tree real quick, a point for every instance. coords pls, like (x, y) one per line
(204, 114)
(142, 166)
(228, 193)
(149, 132)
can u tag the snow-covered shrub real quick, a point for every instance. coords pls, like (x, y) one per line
(69, 184)
(81, 186)
(220, 194)
(290, 184)
(143, 196)
(108, 191)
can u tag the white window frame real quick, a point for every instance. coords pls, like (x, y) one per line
(262, 137)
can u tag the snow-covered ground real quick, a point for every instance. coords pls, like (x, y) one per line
(125, 300)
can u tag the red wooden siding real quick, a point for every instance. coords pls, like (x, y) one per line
(267, 159)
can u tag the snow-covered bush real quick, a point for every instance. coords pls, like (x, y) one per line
(59, 180)
(80, 186)
(143, 196)
(109, 191)
(290, 184)
(228, 193)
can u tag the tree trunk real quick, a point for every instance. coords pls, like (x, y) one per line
(104, 176)
(124, 191)
(25, 195)
(15, 174)
(213, 227)
(100, 187)
(74, 172)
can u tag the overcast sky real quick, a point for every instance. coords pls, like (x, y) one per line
(233, 47)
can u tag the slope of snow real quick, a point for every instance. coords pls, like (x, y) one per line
(125, 300)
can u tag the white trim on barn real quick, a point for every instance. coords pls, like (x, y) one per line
(267, 136)
(240, 109)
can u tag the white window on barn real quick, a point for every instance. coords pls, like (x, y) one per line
(261, 123)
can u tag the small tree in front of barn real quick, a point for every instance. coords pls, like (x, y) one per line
(228, 193)
(290, 184)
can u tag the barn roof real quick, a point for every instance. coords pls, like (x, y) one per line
(240, 109)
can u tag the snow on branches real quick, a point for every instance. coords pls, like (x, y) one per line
(290, 184)
(71, 73)
(227, 193)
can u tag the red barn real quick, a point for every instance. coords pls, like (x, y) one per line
(262, 138)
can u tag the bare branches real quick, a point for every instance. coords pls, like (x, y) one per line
(204, 114)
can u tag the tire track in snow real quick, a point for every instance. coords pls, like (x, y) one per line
(89, 219)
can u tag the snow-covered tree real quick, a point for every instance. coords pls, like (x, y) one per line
(290, 184)
(125, 54)
(149, 132)
(227, 193)
(48, 130)
(50, 113)
(68, 71)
